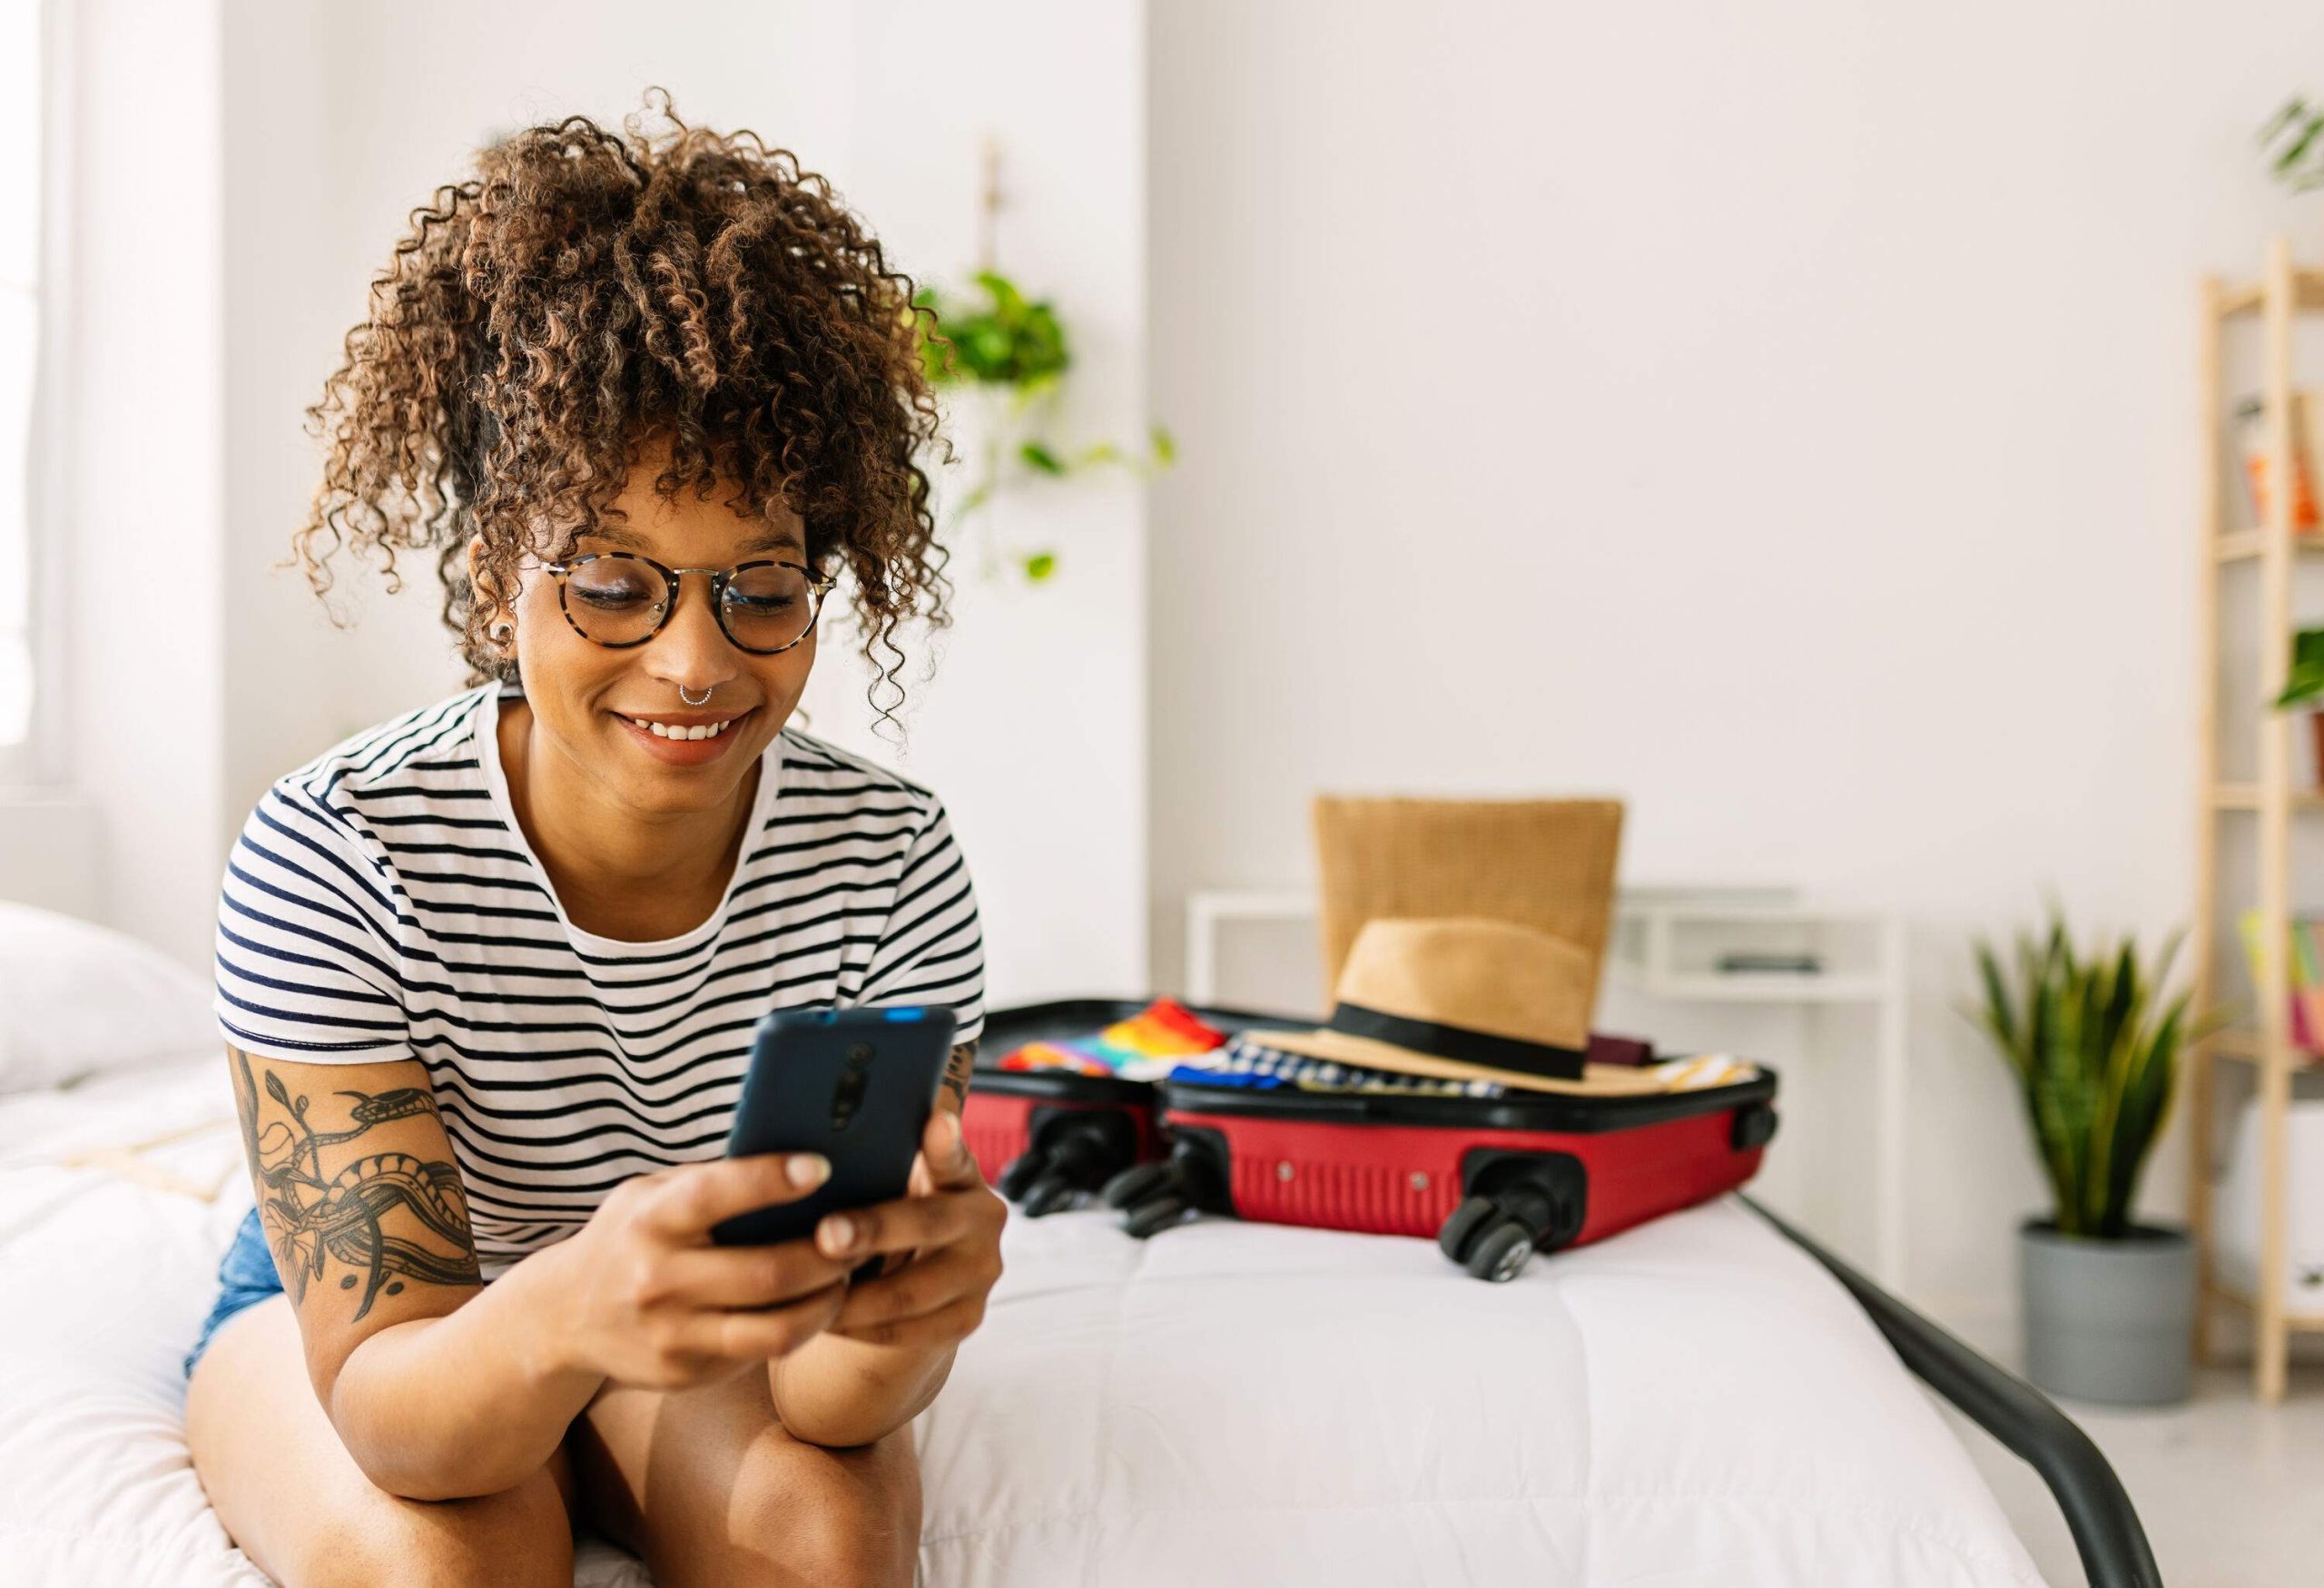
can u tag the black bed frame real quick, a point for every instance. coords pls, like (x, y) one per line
(2106, 1529)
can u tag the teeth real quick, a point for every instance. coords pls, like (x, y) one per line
(675, 730)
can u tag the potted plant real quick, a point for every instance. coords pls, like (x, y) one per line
(2108, 1303)
(2306, 684)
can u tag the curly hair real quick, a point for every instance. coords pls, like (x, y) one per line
(587, 289)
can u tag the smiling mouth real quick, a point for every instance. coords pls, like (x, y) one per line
(684, 726)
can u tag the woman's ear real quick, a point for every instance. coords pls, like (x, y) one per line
(499, 614)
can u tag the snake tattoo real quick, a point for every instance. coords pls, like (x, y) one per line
(387, 1215)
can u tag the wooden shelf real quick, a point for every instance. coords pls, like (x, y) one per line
(2261, 606)
(2243, 545)
(2308, 294)
(2310, 1323)
(2245, 797)
(2244, 1042)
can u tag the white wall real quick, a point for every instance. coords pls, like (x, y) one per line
(295, 283)
(141, 487)
(344, 119)
(1034, 729)
(1783, 416)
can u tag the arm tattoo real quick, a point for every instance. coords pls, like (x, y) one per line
(956, 1073)
(387, 1214)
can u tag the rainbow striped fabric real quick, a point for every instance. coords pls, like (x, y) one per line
(1145, 1047)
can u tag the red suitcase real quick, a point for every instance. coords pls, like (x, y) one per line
(1044, 1137)
(1493, 1179)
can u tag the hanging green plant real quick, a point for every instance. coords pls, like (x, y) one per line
(1010, 340)
(2295, 143)
(1015, 347)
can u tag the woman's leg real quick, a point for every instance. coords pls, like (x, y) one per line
(295, 1501)
(706, 1488)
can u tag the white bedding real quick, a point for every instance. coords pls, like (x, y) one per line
(1692, 1402)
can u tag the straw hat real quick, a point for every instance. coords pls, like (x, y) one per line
(1544, 863)
(1466, 999)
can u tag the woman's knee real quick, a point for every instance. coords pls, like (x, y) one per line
(515, 1539)
(288, 1494)
(856, 1521)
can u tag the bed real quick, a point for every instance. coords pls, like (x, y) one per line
(1699, 1401)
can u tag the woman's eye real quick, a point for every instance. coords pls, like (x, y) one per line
(759, 604)
(616, 599)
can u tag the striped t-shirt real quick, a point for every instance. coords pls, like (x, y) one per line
(382, 903)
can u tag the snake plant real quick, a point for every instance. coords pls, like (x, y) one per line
(2095, 1047)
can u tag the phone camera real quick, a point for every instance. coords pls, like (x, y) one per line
(847, 1097)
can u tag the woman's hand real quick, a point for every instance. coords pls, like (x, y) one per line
(647, 1300)
(941, 1247)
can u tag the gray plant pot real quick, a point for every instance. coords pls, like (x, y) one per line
(2108, 1320)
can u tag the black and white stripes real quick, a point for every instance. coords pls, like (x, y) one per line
(383, 904)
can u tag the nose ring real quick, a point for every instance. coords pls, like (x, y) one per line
(690, 700)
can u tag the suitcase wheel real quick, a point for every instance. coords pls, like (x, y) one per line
(1500, 1252)
(1461, 1229)
(1022, 1170)
(1072, 1150)
(1134, 1185)
(1047, 1195)
(1154, 1216)
(1154, 1196)
(1088, 1149)
(1487, 1237)
(1518, 1203)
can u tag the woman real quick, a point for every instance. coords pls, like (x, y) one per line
(489, 972)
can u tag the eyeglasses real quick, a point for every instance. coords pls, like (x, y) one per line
(619, 598)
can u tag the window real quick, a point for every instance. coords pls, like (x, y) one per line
(23, 153)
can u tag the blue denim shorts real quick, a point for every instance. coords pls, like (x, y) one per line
(245, 1277)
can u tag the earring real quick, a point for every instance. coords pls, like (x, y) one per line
(502, 633)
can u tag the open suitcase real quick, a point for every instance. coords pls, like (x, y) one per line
(1493, 1179)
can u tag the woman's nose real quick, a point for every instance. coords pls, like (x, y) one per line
(692, 651)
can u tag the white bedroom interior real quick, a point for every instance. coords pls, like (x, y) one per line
(1789, 421)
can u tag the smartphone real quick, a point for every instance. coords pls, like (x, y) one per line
(855, 1085)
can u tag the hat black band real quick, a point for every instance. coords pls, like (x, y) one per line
(1458, 1042)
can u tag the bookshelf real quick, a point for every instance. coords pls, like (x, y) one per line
(2263, 805)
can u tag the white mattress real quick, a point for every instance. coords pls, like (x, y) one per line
(1692, 1402)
